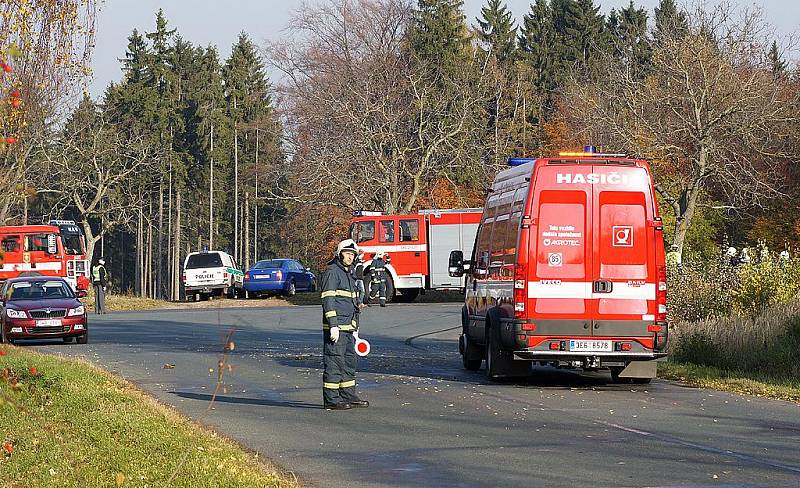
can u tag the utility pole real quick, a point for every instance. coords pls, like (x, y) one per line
(211, 195)
(236, 253)
(255, 210)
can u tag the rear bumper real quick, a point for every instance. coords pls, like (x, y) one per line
(206, 288)
(605, 357)
(70, 327)
(257, 286)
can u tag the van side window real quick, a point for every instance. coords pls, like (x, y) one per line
(483, 243)
(409, 230)
(514, 220)
(386, 232)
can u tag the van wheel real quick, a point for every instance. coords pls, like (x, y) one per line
(641, 381)
(471, 355)
(615, 371)
(500, 363)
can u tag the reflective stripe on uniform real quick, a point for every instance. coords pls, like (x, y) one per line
(347, 384)
(330, 314)
(338, 293)
(347, 327)
(331, 386)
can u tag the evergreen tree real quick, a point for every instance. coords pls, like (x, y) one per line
(438, 33)
(579, 31)
(161, 77)
(669, 22)
(537, 42)
(497, 31)
(777, 63)
(628, 36)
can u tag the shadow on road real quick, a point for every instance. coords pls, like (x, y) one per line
(205, 397)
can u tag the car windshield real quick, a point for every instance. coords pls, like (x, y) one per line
(269, 264)
(40, 290)
(204, 260)
(72, 244)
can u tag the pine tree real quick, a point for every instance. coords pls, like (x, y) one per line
(537, 42)
(579, 31)
(438, 33)
(777, 63)
(628, 36)
(497, 31)
(669, 22)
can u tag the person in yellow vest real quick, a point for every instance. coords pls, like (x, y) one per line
(100, 283)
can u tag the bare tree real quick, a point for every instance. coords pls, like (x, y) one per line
(100, 172)
(711, 115)
(367, 124)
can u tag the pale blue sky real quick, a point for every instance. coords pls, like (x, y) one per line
(206, 22)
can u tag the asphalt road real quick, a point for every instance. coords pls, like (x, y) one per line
(431, 424)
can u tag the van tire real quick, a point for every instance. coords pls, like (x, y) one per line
(615, 371)
(500, 363)
(471, 354)
(641, 381)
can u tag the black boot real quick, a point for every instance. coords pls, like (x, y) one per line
(337, 406)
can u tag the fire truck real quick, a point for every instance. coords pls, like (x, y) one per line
(55, 249)
(418, 245)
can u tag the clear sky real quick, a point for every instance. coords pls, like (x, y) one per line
(205, 22)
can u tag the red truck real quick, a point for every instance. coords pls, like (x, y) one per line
(568, 269)
(418, 244)
(55, 249)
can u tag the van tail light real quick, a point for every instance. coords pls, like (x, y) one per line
(520, 289)
(279, 275)
(184, 277)
(661, 329)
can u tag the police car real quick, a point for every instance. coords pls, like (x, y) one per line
(211, 273)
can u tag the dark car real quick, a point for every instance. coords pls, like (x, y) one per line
(285, 276)
(40, 307)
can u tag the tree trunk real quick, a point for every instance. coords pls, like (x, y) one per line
(176, 256)
(255, 209)
(170, 263)
(246, 230)
(138, 268)
(149, 264)
(160, 241)
(236, 241)
(211, 196)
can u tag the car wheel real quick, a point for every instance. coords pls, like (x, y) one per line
(291, 290)
(66, 340)
(313, 286)
(3, 339)
(83, 338)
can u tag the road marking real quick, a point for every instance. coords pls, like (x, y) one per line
(409, 341)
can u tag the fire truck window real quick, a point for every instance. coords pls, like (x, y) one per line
(364, 231)
(409, 230)
(10, 244)
(72, 243)
(36, 242)
(386, 231)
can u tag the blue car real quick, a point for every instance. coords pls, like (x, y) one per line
(285, 276)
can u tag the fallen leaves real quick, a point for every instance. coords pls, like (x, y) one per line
(119, 479)
(8, 447)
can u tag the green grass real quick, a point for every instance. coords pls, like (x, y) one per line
(72, 425)
(118, 303)
(731, 381)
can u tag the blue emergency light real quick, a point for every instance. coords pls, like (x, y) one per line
(590, 149)
(519, 161)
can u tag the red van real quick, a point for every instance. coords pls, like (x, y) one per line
(567, 269)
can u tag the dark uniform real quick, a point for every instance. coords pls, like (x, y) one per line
(377, 288)
(340, 309)
(100, 282)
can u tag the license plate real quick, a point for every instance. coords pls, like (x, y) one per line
(590, 346)
(48, 323)
(262, 277)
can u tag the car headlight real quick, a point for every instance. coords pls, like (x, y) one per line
(76, 311)
(16, 314)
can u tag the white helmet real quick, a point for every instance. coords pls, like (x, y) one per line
(347, 245)
(731, 251)
(378, 254)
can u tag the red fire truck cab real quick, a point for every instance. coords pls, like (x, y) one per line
(55, 249)
(568, 269)
(418, 245)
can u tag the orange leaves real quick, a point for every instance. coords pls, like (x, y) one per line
(33, 371)
(8, 448)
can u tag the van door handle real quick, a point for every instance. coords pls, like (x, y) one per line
(602, 286)
(416, 254)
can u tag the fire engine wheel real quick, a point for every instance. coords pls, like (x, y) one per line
(406, 296)
(390, 290)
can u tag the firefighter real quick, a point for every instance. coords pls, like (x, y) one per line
(358, 274)
(340, 312)
(100, 283)
(377, 287)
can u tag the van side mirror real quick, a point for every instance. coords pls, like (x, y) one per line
(52, 247)
(455, 267)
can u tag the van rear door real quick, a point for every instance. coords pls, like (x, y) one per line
(623, 271)
(559, 287)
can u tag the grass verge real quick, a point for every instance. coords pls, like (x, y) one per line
(120, 303)
(731, 381)
(67, 423)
